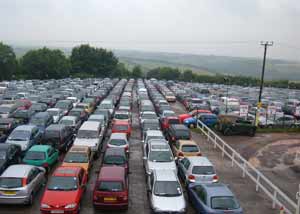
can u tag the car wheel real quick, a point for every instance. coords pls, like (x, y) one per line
(270, 126)
(252, 133)
(227, 132)
(191, 126)
(79, 208)
(30, 200)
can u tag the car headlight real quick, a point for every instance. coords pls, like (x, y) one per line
(45, 206)
(71, 206)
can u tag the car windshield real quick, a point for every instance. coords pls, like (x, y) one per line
(19, 135)
(173, 121)
(120, 127)
(62, 105)
(203, 170)
(169, 114)
(114, 160)
(10, 182)
(121, 116)
(224, 203)
(34, 155)
(117, 142)
(75, 113)
(21, 114)
(106, 106)
(149, 116)
(38, 121)
(87, 134)
(183, 134)
(189, 148)
(2, 155)
(167, 188)
(63, 183)
(4, 110)
(160, 156)
(66, 122)
(52, 134)
(151, 126)
(76, 157)
(110, 186)
(53, 113)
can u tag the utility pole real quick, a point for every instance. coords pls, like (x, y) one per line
(265, 44)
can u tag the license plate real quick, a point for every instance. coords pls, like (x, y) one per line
(110, 199)
(9, 192)
(57, 211)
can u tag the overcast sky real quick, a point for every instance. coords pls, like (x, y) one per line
(219, 27)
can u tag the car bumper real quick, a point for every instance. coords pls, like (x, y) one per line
(14, 200)
(61, 211)
(104, 206)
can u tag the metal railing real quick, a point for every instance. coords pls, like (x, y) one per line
(278, 197)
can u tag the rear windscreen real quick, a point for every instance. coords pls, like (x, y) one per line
(10, 182)
(110, 186)
(189, 148)
(173, 121)
(203, 170)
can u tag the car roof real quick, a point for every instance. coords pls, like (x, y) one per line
(121, 122)
(55, 127)
(68, 118)
(179, 126)
(25, 127)
(165, 175)
(54, 109)
(90, 125)
(17, 171)
(66, 171)
(187, 142)
(115, 151)
(217, 189)
(39, 148)
(80, 149)
(118, 136)
(41, 114)
(198, 160)
(111, 173)
(154, 133)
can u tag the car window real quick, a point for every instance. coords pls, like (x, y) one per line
(189, 148)
(201, 193)
(177, 144)
(110, 186)
(187, 164)
(224, 203)
(51, 151)
(203, 170)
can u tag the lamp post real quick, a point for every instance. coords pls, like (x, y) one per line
(226, 79)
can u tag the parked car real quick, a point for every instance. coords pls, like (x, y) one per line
(158, 155)
(7, 125)
(64, 191)
(9, 154)
(208, 119)
(42, 120)
(22, 116)
(19, 183)
(41, 155)
(56, 113)
(147, 115)
(177, 132)
(152, 134)
(6, 110)
(90, 134)
(111, 189)
(38, 107)
(185, 148)
(116, 156)
(196, 170)
(80, 156)
(80, 113)
(64, 105)
(122, 116)
(25, 136)
(71, 121)
(59, 136)
(121, 127)
(100, 118)
(213, 198)
(232, 125)
(165, 192)
(118, 140)
(167, 121)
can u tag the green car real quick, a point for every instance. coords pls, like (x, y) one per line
(234, 125)
(41, 155)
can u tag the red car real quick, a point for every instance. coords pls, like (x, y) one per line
(167, 121)
(111, 188)
(182, 117)
(23, 104)
(64, 191)
(121, 127)
(199, 111)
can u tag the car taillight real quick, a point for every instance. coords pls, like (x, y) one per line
(215, 179)
(126, 148)
(173, 138)
(191, 178)
(24, 182)
(180, 154)
(199, 154)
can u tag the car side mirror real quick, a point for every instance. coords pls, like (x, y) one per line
(144, 158)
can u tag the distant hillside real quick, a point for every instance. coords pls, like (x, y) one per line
(205, 64)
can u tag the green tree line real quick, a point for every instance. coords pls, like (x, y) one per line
(86, 61)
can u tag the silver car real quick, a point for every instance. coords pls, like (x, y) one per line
(19, 184)
(165, 192)
(158, 155)
(56, 113)
(196, 170)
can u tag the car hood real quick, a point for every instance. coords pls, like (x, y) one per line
(22, 143)
(59, 198)
(169, 203)
(86, 141)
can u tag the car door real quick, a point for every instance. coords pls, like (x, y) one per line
(198, 199)
(52, 156)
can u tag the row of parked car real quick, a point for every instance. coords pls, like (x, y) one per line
(171, 158)
(33, 149)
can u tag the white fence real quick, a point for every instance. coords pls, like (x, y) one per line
(278, 197)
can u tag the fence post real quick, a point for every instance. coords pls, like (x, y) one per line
(223, 148)
(244, 169)
(274, 199)
(298, 201)
(257, 183)
(232, 159)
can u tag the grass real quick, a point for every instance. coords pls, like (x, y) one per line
(278, 130)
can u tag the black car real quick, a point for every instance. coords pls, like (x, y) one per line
(9, 154)
(23, 115)
(38, 107)
(80, 113)
(7, 125)
(177, 132)
(59, 136)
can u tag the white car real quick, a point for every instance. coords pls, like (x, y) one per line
(56, 113)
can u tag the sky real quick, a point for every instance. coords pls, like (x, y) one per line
(210, 27)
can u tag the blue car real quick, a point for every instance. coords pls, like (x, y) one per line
(215, 198)
(209, 119)
(42, 120)
(190, 122)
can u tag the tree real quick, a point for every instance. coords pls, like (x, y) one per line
(45, 64)
(8, 62)
(188, 75)
(96, 61)
(137, 72)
